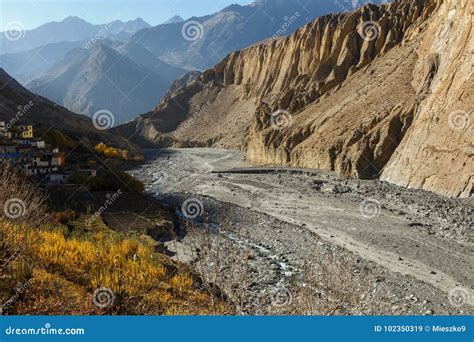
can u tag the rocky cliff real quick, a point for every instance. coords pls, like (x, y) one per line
(201, 42)
(437, 153)
(368, 94)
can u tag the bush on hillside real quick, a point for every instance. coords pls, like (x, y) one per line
(111, 152)
(20, 199)
(112, 180)
(57, 138)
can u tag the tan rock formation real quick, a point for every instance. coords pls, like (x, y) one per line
(438, 152)
(367, 94)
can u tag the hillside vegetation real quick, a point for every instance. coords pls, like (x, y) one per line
(47, 267)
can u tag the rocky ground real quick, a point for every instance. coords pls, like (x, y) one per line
(306, 242)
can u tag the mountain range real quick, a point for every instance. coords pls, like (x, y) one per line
(37, 50)
(203, 41)
(380, 92)
(71, 29)
(20, 106)
(25, 66)
(123, 78)
(64, 71)
(383, 91)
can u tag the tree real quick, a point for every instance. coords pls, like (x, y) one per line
(100, 147)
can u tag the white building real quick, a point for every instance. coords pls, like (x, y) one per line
(58, 177)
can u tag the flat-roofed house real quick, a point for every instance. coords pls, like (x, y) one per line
(42, 163)
(25, 131)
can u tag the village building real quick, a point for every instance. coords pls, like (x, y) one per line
(25, 132)
(4, 134)
(30, 142)
(20, 132)
(43, 162)
(36, 158)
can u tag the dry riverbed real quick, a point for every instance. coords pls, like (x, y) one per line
(293, 241)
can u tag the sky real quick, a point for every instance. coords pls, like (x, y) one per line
(33, 13)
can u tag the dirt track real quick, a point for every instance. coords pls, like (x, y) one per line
(411, 233)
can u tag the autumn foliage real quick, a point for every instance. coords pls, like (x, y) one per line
(111, 152)
(52, 269)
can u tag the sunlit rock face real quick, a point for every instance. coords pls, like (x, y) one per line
(367, 94)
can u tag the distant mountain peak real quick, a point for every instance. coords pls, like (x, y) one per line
(73, 19)
(232, 28)
(100, 53)
(123, 78)
(132, 26)
(116, 21)
(173, 20)
(139, 21)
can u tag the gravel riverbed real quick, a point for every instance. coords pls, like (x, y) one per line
(311, 242)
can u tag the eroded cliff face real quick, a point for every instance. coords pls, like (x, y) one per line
(366, 94)
(293, 72)
(437, 153)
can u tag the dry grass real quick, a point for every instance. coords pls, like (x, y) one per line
(19, 197)
(47, 269)
(222, 265)
(64, 270)
(332, 285)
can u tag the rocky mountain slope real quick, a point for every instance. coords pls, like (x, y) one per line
(438, 151)
(379, 92)
(124, 79)
(71, 29)
(28, 65)
(20, 106)
(201, 42)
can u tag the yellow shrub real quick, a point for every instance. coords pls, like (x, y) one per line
(181, 281)
(111, 152)
(100, 148)
(126, 266)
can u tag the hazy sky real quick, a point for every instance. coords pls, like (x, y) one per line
(32, 13)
